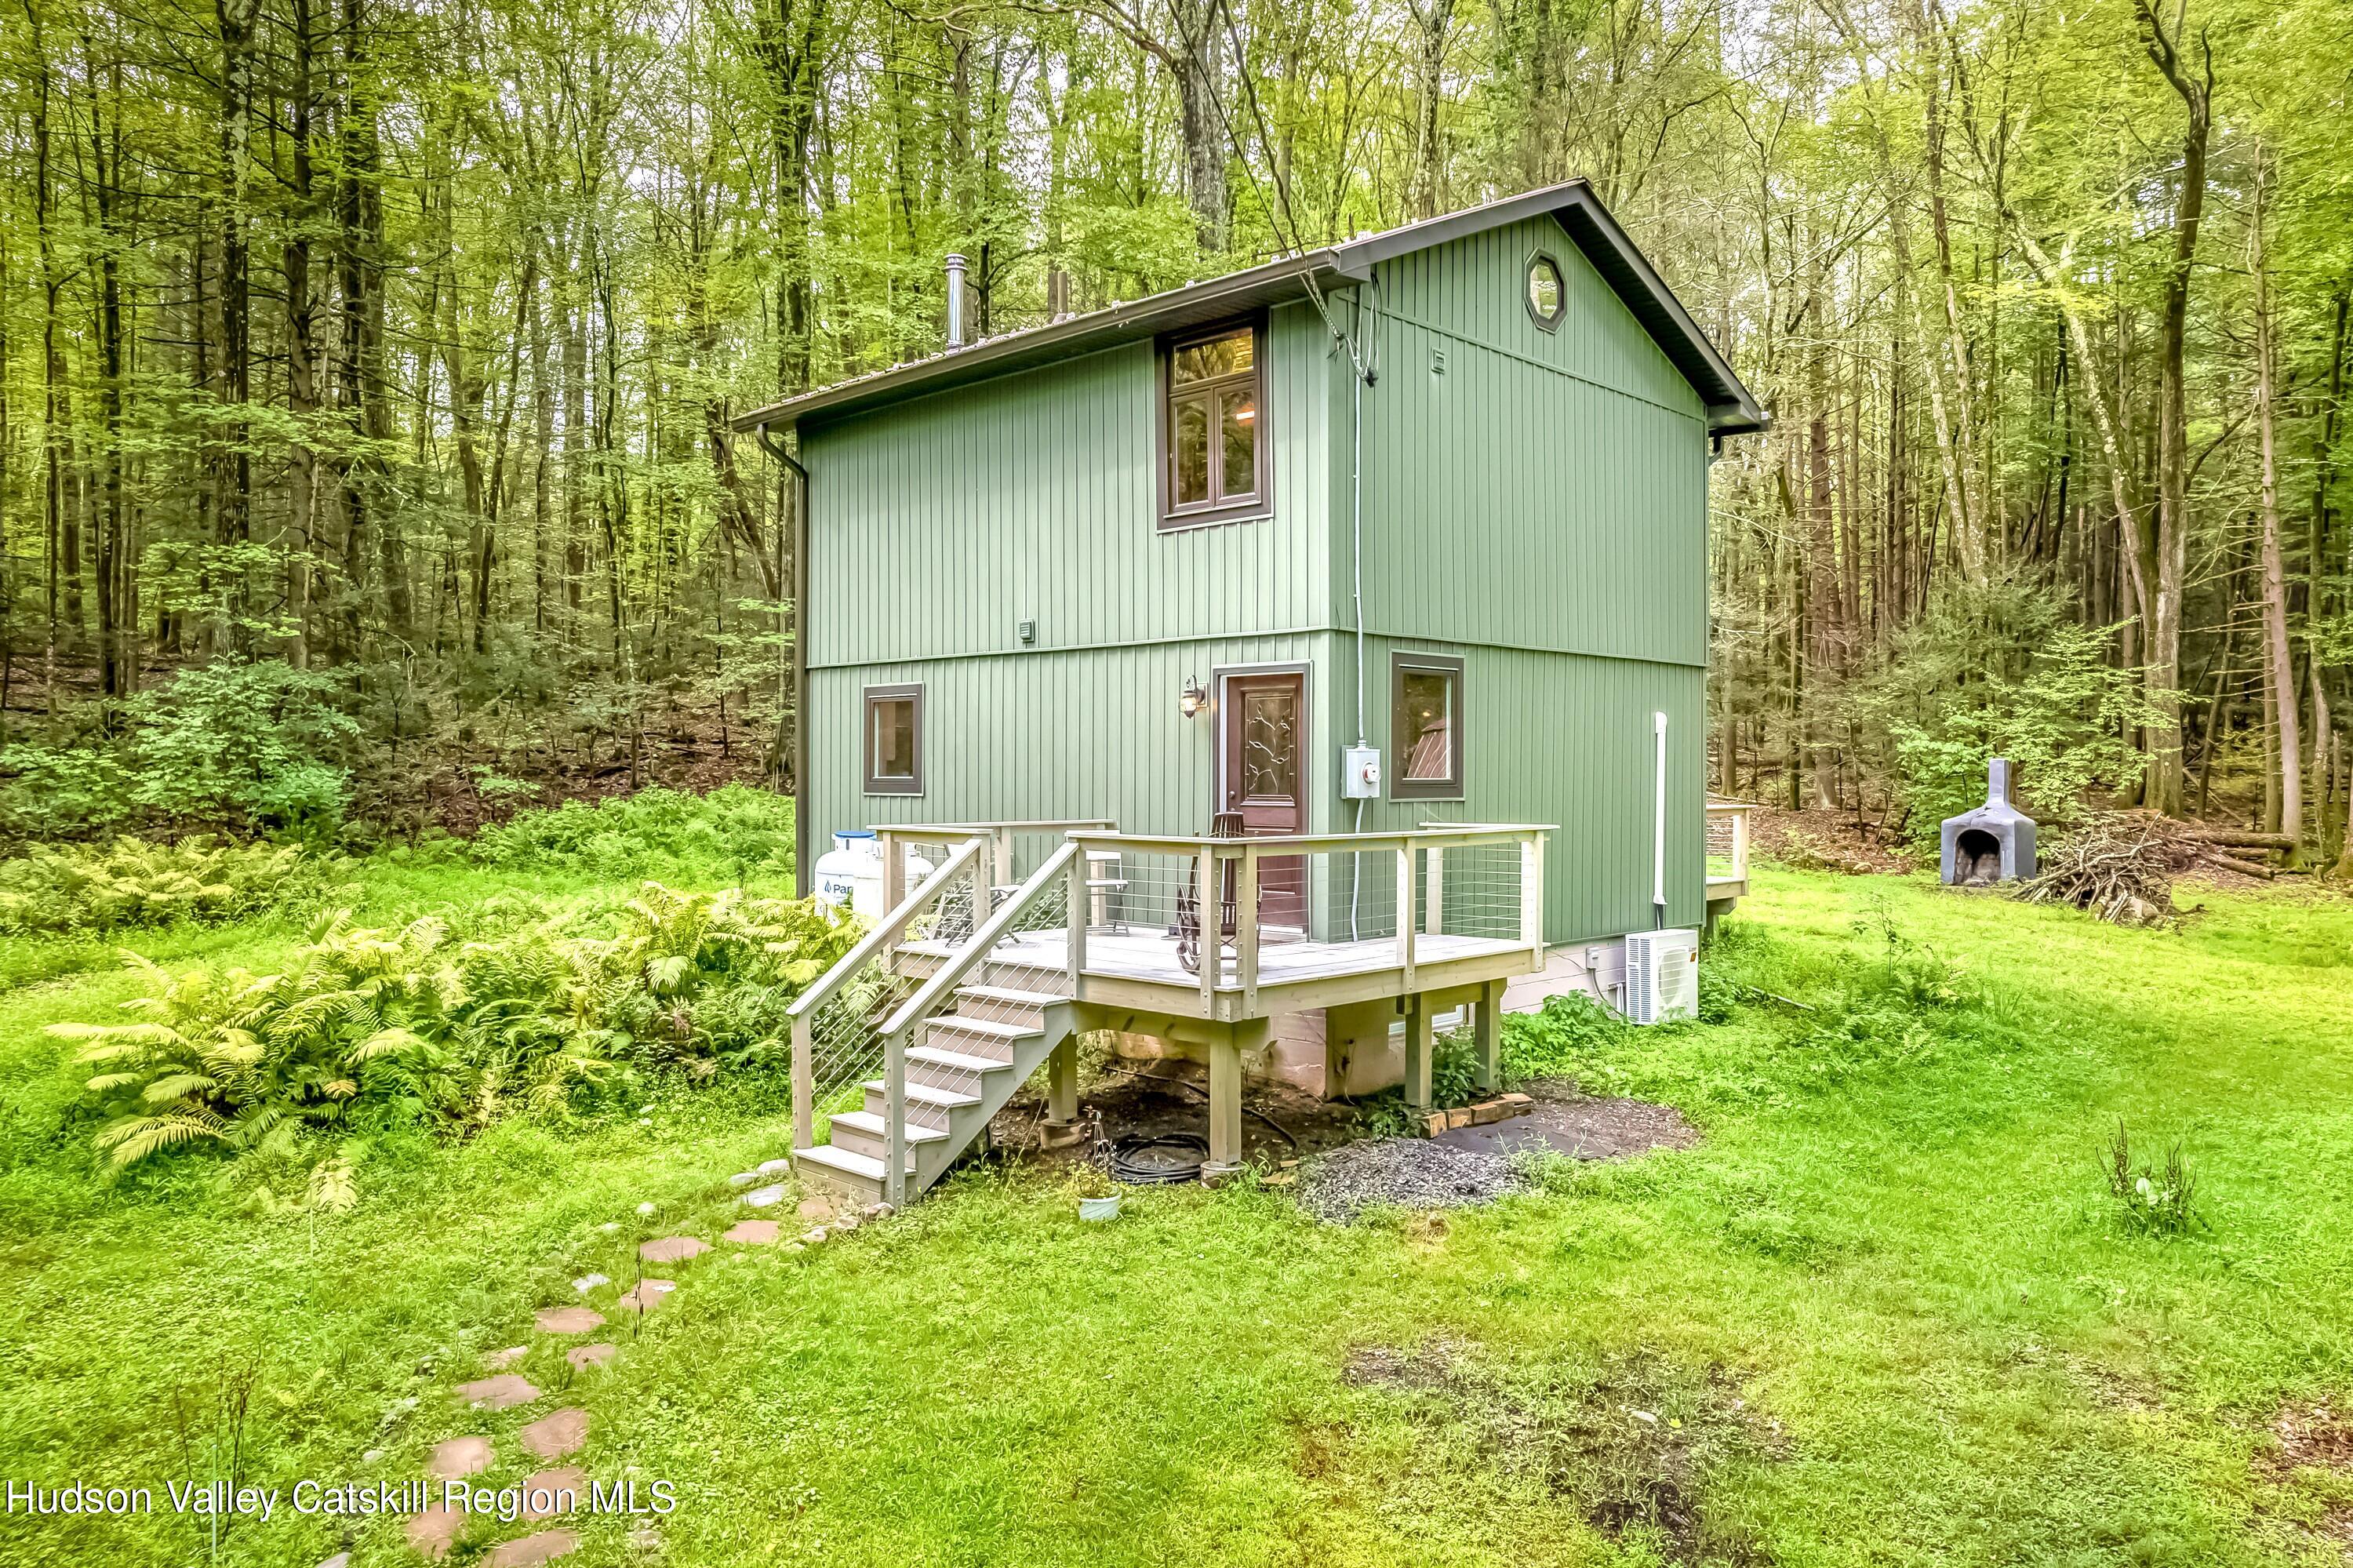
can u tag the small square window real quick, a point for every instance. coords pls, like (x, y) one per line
(893, 744)
(1426, 727)
(1545, 292)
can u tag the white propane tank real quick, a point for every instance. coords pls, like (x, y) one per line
(855, 857)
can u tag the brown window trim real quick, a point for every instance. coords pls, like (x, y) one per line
(1528, 275)
(1400, 787)
(866, 701)
(1171, 517)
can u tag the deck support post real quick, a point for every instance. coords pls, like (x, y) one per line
(1062, 1084)
(1418, 1094)
(1488, 1074)
(1225, 1103)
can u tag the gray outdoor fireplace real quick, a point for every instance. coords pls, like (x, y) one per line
(1993, 843)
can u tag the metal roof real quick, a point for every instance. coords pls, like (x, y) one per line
(1732, 409)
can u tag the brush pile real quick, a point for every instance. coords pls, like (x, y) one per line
(2117, 867)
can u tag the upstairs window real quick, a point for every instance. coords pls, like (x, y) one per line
(1213, 427)
(895, 741)
(1426, 727)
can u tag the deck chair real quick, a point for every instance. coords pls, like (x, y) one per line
(1187, 929)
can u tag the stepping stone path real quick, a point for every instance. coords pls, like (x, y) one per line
(504, 1392)
(552, 1492)
(434, 1531)
(561, 1489)
(459, 1458)
(554, 1436)
(532, 1549)
(672, 1249)
(567, 1319)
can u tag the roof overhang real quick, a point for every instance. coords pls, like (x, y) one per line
(1732, 409)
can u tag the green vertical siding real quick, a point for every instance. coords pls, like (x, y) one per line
(1512, 499)
(1565, 738)
(1054, 736)
(937, 526)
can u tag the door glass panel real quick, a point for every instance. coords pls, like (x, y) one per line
(1240, 476)
(1191, 437)
(1270, 759)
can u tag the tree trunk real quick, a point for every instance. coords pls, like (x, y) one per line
(2279, 658)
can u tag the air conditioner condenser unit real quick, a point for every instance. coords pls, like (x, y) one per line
(1661, 975)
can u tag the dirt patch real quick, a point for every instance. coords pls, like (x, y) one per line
(1826, 840)
(1635, 1445)
(1586, 1128)
(2314, 1436)
(1173, 1097)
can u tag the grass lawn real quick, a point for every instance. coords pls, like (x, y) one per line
(1885, 1312)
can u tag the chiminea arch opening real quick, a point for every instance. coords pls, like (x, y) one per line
(1977, 856)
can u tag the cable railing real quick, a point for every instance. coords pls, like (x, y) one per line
(1727, 841)
(837, 1023)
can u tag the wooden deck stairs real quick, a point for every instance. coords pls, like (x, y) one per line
(977, 1026)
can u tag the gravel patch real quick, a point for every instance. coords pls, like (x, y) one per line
(1410, 1173)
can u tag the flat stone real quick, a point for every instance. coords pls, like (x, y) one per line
(765, 1197)
(504, 1392)
(673, 1249)
(566, 1319)
(588, 1282)
(499, 1360)
(532, 1550)
(563, 1491)
(742, 1178)
(645, 1210)
(776, 1168)
(647, 1294)
(812, 1236)
(583, 1356)
(751, 1233)
(884, 1211)
(556, 1435)
(434, 1531)
(458, 1456)
(340, 1560)
(817, 1208)
(610, 1227)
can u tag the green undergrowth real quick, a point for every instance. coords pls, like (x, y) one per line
(1889, 1308)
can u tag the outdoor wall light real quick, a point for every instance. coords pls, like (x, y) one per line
(1193, 698)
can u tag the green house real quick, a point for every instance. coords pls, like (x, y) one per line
(1407, 531)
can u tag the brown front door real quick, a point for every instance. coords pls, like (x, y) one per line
(1266, 780)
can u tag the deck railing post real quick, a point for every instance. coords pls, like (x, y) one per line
(983, 878)
(1212, 922)
(1433, 891)
(804, 1085)
(894, 1117)
(1532, 924)
(1740, 846)
(1002, 842)
(1075, 922)
(894, 869)
(1246, 931)
(1405, 915)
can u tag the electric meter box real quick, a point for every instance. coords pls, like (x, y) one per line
(1360, 772)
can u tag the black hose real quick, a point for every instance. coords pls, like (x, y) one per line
(1162, 1161)
(1181, 1083)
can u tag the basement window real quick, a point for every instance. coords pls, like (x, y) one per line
(1545, 292)
(895, 741)
(1214, 463)
(1426, 727)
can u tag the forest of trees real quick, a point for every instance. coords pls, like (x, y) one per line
(366, 367)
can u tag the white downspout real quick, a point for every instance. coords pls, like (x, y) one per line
(1659, 823)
